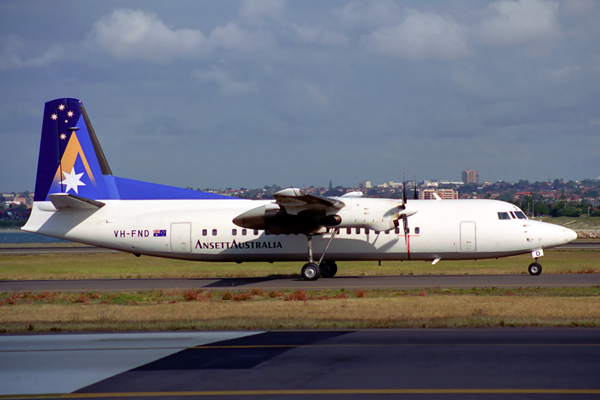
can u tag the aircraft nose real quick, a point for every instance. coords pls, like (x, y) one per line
(552, 235)
(570, 234)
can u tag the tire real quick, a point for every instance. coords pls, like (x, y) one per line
(535, 269)
(311, 272)
(328, 269)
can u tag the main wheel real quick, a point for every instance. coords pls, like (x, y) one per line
(535, 269)
(311, 272)
(328, 269)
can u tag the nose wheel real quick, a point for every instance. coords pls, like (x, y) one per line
(535, 268)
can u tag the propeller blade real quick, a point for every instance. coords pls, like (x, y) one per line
(416, 195)
(406, 228)
(404, 192)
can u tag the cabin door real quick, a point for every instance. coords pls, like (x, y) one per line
(181, 237)
(467, 237)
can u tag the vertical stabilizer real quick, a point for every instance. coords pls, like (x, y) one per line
(71, 160)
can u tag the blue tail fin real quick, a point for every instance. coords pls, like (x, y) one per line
(72, 161)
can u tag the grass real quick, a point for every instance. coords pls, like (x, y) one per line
(259, 309)
(121, 265)
(330, 309)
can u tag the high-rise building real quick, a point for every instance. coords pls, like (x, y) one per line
(470, 176)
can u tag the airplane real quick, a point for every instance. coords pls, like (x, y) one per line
(78, 198)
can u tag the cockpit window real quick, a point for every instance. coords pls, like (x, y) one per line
(520, 215)
(503, 215)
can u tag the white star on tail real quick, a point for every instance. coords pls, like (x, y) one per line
(72, 180)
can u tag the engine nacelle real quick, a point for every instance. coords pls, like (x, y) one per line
(375, 214)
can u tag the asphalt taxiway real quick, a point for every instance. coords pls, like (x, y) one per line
(296, 283)
(422, 363)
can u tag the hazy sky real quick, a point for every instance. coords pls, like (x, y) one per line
(252, 93)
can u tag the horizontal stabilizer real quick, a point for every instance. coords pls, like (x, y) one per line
(64, 201)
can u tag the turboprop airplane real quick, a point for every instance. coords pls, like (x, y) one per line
(78, 198)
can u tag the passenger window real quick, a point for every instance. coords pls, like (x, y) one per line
(348, 230)
(204, 232)
(267, 232)
(387, 232)
(397, 231)
(255, 232)
(367, 231)
(244, 232)
(357, 231)
(214, 232)
(234, 232)
(376, 232)
(417, 230)
(520, 215)
(503, 215)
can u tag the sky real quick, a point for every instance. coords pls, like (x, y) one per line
(234, 93)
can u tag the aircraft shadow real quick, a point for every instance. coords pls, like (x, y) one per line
(236, 282)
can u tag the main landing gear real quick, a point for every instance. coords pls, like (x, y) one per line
(535, 268)
(312, 270)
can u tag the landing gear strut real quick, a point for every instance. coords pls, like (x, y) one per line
(311, 271)
(535, 268)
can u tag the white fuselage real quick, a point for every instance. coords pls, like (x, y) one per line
(203, 230)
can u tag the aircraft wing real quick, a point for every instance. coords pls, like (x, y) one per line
(294, 201)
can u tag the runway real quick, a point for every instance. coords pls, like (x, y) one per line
(296, 283)
(432, 363)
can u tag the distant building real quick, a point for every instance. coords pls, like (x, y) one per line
(470, 176)
(365, 184)
(445, 194)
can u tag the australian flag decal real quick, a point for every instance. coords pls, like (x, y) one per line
(160, 232)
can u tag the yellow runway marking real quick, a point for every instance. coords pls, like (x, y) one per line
(297, 392)
(298, 346)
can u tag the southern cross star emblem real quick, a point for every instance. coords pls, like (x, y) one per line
(70, 114)
(63, 136)
(72, 180)
(61, 107)
(54, 117)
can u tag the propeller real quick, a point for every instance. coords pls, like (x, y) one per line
(406, 211)
(404, 216)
